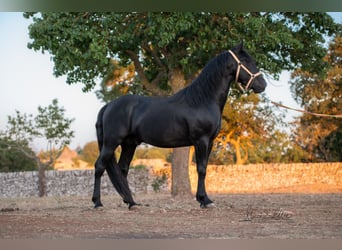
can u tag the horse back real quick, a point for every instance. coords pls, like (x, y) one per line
(117, 117)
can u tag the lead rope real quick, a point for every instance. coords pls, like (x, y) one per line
(240, 65)
(304, 111)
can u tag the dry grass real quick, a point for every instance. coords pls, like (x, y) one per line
(249, 216)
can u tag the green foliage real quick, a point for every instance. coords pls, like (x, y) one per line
(50, 124)
(331, 145)
(119, 81)
(140, 166)
(272, 148)
(90, 152)
(21, 128)
(153, 153)
(320, 137)
(13, 157)
(158, 182)
(250, 130)
(82, 44)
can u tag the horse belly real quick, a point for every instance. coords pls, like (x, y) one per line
(164, 130)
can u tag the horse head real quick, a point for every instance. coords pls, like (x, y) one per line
(247, 74)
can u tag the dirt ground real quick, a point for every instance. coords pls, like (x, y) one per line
(236, 216)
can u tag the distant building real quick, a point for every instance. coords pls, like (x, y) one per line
(69, 160)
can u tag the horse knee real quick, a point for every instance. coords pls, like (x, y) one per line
(124, 170)
(201, 171)
(99, 169)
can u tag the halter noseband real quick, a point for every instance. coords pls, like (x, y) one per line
(240, 65)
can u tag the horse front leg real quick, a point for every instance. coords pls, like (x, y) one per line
(202, 151)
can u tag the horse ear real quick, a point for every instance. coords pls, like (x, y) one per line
(240, 46)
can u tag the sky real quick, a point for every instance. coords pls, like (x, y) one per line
(27, 81)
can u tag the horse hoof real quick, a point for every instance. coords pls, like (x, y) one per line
(99, 208)
(98, 205)
(134, 207)
(210, 205)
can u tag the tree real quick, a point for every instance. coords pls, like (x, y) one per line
(90, 152)
(168, 49)
(320, 137)
(249, 130)
(50, 124)
(12, 160)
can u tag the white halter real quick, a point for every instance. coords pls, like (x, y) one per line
(240, 65)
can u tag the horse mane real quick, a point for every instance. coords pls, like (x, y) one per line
(204, 88)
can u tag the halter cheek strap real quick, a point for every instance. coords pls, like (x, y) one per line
(240, 65)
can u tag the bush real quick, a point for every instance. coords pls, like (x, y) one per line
(152, 153)
(12, 159)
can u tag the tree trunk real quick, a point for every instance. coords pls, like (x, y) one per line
(180, 172)
(41, 181)
(180, 160)
(238, 147)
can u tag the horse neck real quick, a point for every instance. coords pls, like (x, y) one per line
(224, 77)
(221, 97)
(214, 85)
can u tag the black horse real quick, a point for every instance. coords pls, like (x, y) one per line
(190, 117)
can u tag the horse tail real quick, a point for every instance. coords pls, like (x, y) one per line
(99, 127)
(120, 184)
(115, 175)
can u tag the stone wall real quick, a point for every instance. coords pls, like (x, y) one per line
(273, 178)
(59, 183)
(220, 179)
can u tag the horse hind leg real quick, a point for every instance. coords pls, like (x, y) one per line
(126, 157)
(118, 179)
(99, 169)
(102, 163)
